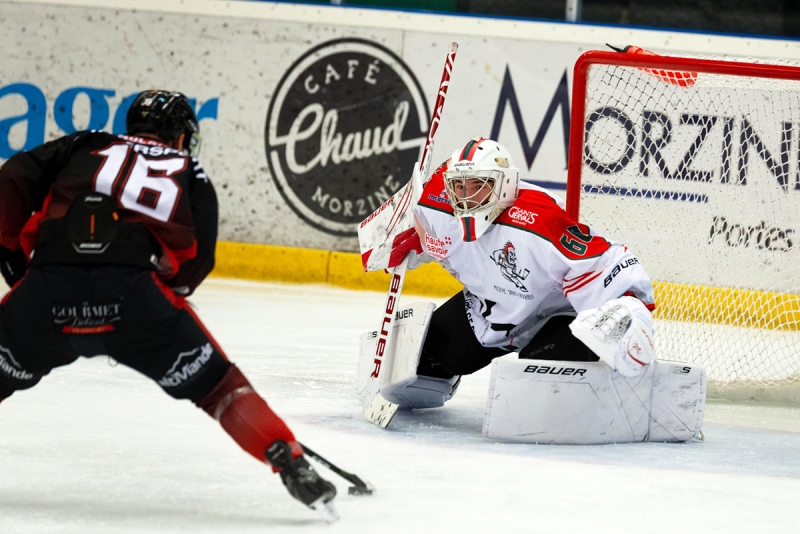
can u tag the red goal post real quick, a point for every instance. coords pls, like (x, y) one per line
(695, 165)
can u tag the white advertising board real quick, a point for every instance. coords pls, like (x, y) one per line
(311, 116)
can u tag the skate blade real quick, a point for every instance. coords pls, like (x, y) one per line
(325, 509)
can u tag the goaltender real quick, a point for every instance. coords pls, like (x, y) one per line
(535, 282)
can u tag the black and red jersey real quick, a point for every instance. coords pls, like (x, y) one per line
(151, 184)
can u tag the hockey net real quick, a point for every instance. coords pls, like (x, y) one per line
(694, 164)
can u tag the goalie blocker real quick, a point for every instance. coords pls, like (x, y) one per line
(564, 402)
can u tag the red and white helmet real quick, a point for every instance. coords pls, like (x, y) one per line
(490, 163)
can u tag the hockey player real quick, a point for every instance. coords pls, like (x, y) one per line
(123, 229)
(533, 279)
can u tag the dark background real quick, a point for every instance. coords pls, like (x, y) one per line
(756, 17)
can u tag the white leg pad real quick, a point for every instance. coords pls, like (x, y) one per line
(678, 402)
(401, 358)
(536, 401)
(366, 386)
(565, 402)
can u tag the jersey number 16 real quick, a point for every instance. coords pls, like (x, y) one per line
(148, 187)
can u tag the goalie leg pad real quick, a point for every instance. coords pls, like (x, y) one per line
(538, 401)
(560, 402)
(398, 368)
(678, 402)
(366, 384)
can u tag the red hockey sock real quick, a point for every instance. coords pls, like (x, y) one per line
(246, 416)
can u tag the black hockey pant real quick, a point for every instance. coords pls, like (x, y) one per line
(451, 348)
(58, 313)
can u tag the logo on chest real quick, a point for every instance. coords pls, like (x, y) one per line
(506, 259)
(437, 248)
(521, 215)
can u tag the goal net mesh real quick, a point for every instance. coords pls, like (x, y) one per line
(697, 173)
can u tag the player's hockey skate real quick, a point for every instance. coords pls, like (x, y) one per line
(303, 483)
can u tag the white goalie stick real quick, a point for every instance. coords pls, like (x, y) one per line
(377, 409)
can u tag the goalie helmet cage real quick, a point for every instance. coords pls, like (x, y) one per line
(695, 165)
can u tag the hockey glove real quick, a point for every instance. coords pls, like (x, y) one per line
(620, 333)
(13, 265)
(407, 244)
(415, 259)
(303, 483)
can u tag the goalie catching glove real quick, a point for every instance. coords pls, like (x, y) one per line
(620, 333)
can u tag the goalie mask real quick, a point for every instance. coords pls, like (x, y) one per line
(481, 181)
(165, 114)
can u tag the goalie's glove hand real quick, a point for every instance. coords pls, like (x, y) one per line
(13, 265)
(620, 333)
(415, 259)
(405, 244)
(303, 483)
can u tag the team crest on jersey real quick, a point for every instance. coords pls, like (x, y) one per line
(506, 259)
(344, 128)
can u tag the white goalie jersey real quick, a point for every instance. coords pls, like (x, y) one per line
(534, 262)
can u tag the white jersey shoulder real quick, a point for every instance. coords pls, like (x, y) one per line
(532, 263)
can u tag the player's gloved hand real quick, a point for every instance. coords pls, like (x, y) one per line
(303, 483)
(13, 265)
(415, 259)
(405, 244)
(620, 332)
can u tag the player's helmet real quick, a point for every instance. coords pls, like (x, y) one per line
(166, 114)
(495, 186)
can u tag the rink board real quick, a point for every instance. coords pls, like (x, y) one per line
(245, 65)
(288, 193)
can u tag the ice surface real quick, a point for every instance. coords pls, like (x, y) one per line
(99, 449)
